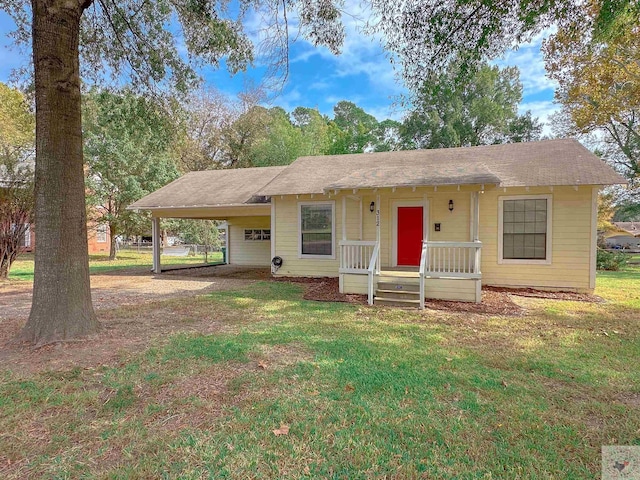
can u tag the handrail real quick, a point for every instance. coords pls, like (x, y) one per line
(373, 268)
(423, 263)
(453, 259)
(355, 255)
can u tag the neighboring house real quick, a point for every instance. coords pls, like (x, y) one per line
(97, 236)
(401, 226)
(627, 236)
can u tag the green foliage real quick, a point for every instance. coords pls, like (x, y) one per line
(17, 125)
(613, 261)
(450, 111)
(128, 142)
(353, 129)
(599, 82)
(627, 212)
(280, 143)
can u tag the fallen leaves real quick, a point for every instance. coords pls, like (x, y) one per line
(283, 430)
(262, 365)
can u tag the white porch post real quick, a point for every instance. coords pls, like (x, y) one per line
(226, 244)
(344, 218)
(475, 217)
(155, 237)
(476, 238)
(360, 219)
(273, 231)
(378, 221)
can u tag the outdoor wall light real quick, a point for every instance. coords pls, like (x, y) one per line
(372, 206)
(451, 205)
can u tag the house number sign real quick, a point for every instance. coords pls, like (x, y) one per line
(377, 218)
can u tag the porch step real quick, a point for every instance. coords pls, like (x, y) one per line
(396, 286)
(396, 302)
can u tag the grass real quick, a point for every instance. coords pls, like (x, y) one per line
(366, 392)
(22, 269)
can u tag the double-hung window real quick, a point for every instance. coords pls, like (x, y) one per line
(316, 222)
(101, 233)
(524, 229)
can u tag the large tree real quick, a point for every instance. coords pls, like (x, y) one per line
(599, 85)
(426, 37)
(353, 130)
(128, 141)
(480, 109)
(16, 174)
(134, 38)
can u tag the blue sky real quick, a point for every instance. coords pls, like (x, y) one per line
(362, 74)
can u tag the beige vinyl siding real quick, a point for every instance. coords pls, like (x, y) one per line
(571, 232)
(287, 238)
(243, 252)
(454, 225)
(458, 289)
(355, 284)
(570, 242)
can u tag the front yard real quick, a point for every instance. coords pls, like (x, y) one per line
(255, 382)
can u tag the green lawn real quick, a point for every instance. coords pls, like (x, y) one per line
(22, 269)
(365, 392)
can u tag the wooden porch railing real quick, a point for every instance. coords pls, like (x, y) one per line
(355, 256)
(449, 260)
(452, 259)
(361, 258)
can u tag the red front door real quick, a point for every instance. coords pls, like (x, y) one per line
(410, 230)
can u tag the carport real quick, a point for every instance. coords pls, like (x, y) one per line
(226, 195)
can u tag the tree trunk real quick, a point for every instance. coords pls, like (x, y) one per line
(112, 242)
(61, 307)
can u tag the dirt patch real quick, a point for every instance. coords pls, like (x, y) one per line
(493, 303)
(123, 331)
(531, 292)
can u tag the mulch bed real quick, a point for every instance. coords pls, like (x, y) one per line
(495, 300)
(532, 292)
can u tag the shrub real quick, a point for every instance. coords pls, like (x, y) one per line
(610, 260)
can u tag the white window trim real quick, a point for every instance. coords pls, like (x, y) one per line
(513, 261)
(333, 230)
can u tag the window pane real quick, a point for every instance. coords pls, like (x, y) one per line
(316, 229)
(524, 229)
(530, 216)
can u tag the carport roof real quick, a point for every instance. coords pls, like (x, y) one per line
(211, 188)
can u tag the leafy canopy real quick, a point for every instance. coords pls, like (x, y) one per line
(483, 109)
(128, 140)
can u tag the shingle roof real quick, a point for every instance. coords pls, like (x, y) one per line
(211, 188)
(631, 227)
(545, 163)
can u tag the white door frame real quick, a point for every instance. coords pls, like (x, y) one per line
(410, 202)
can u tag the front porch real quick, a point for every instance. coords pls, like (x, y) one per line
(415, 269)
